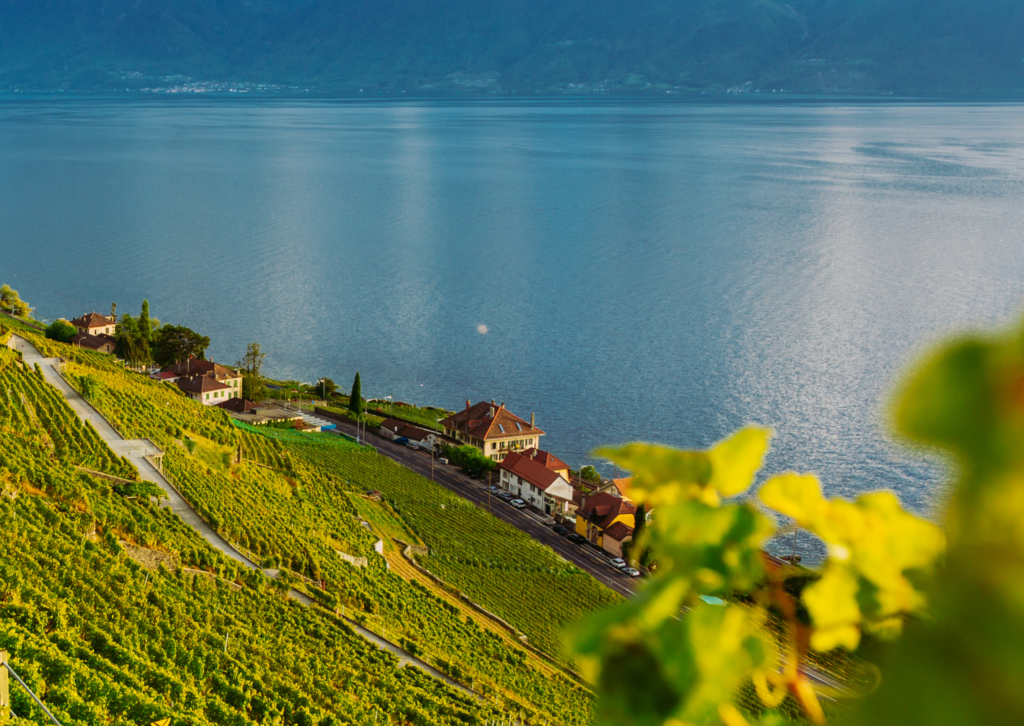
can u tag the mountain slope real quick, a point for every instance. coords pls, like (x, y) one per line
(901, 46)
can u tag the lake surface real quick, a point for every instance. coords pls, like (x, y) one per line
(663, 272)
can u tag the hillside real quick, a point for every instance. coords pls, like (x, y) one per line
(524, 46)
(203, 640)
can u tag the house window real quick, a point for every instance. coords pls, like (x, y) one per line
(494, 446)
(207, 396)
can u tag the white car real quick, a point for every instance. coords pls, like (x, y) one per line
(618, 563)
(518, 503)
(631, 572)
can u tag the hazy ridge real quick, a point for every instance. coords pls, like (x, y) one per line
(911, 47)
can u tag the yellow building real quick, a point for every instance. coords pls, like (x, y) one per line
(493, 429)
(607, 521)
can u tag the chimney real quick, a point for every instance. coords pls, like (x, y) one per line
(532, 425)
(502, 405)
(467, 404)
(492, 401)
(491, 412)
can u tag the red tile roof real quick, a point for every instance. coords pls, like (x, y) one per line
(545, 459)
(490, 421)
(602, 509)
(92, 342)
(529, 470)
(237, 405)
(195, 367)
(406, 429)
(623, 485)
(200, 384)
(619, 531)
(93, 320)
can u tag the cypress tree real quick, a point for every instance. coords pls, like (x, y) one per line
(639, 524)
(355, 402)
(144, 330)
(145, 333)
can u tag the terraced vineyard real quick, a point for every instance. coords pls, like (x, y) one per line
(103, 640)
(288, 501)
(500, 567)
(30, 407)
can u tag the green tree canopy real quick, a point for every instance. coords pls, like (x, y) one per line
(589, 473)
(325, 388)
(252, 361)
(12, 302)
(176, 343)
(60, 330)
(355, 402)
(254, 388)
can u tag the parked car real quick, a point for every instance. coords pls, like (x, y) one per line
(631, 571)
(506, 496)
(618, 563)
(443, 461)
(560, 530)
(494, 490)
(413, 445)
(402, 440)
(577, 538)
(518, 503)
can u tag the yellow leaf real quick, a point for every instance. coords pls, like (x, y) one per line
(662, 475)
(795, 495)
(736, 460)
(832, 603)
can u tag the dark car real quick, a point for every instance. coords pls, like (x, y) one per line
(577, 538)
(560, 530)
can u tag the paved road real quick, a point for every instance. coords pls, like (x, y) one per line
(586, 557)
(136, 451)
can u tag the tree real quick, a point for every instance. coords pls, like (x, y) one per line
(145, 331)
(355, 401)
(469, 458)
(591, 474)
(639, 525)
(113, 310)
(326, 388)
(251, 365)
(126, 335)
(12, 302)
(252, 361)
(60, 330)
(176, 343)
(253, 388)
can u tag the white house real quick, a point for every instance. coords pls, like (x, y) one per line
(535, 484)
(394, 429)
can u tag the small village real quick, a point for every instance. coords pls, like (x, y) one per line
(593, 511)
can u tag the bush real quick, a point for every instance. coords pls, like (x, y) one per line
(61, 330)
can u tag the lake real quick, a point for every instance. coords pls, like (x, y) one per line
(644, 271)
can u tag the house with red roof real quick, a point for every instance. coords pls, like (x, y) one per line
(538, 486)
(99, 343)
(493, 429)
(203, 380)
(393, 428)
(607, 521)
(95, 324)
(549, 461)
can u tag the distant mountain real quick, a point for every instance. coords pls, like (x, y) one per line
(954, 47)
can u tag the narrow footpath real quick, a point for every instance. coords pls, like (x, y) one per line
(136, 451)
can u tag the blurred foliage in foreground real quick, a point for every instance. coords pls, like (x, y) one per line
(670, 657)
